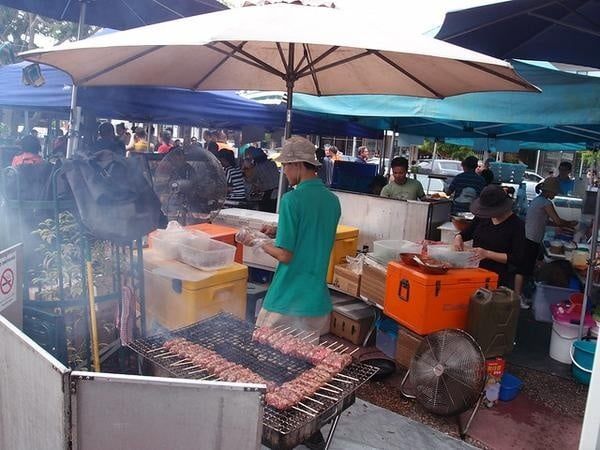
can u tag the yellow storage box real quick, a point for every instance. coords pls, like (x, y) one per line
(346, 242)
(178, 295)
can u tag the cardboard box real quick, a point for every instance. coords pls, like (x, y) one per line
(407, 345)
(372, 282)
(352, 321)
(346, 280)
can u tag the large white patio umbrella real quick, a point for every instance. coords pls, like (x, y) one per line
(281, 46)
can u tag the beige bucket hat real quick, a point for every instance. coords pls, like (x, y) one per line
(298, 149)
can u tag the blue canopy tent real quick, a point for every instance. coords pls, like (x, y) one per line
(162, 105)
(566, 31)
(566, 111)
(116, 14)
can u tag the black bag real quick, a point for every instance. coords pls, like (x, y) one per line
(114, 197)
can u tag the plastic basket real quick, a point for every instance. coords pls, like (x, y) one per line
(545, 296)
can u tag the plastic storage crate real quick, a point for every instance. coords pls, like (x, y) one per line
(545, 296)
(386, 339)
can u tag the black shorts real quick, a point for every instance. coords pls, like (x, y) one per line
(531, 254)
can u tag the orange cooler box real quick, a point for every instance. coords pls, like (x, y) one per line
(426, 303)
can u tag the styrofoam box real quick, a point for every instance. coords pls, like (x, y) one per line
(210, 256)
(545, 296)
(239, 218)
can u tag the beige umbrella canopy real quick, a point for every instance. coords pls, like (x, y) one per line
(316, 50)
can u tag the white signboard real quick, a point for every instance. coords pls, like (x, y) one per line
(10, 284)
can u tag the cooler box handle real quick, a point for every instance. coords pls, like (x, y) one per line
(404, 290)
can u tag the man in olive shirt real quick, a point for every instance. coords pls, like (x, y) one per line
(402, 187)
(308, 219)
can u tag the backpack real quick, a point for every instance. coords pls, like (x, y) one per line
(114, 197)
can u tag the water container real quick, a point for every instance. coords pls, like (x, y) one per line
(493, 317)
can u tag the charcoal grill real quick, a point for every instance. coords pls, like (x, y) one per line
(232, 339)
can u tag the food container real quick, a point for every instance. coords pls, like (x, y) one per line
(509, 387)
(579, 259)
(557, 247)
(207, 254)
(390, 250)
(456, 259)
(569, 248)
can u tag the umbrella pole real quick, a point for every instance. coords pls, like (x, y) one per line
(591, 265)
(74, 117)
(288, 117)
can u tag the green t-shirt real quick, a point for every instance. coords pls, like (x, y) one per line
(411, 190)
(308, 218)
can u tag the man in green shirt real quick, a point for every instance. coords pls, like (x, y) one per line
(308, 216)
(402, 187)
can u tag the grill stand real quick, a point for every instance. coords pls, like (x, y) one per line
(332, 431)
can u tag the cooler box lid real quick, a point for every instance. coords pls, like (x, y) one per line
(346, 232)
(214, 230)
(355, 311)
(453, 276)
(192, 278)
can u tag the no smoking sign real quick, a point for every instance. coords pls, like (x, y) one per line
(7, 280)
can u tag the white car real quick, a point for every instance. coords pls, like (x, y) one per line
(531, 180)
(449, 167)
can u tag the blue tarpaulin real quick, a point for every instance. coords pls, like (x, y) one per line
(567, 110)
(222, 109)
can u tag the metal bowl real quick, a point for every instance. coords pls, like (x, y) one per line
(426, 264)
(463, 217)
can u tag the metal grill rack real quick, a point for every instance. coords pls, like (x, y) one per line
(232, 339)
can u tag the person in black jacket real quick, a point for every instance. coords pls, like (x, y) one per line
(498, 235)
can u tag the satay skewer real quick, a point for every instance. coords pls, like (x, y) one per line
(326, 396)
(308, 407)
(302, 411)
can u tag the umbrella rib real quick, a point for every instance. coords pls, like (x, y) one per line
(282, 56)
(307, 69)
(64, 11)
(585, 130)
(408, 74)
(325, 54)
(512, 133)
(161, 4)
(565, 24)
(492, 22)
(120, 63)
(264, 65)
(498, 74)
(308, 57)
(266, 68)
(577, 13)
(219, 64)
(132, 11)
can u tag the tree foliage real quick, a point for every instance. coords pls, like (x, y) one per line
(446, 151)
(22, 28)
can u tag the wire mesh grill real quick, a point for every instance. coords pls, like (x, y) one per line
(232, 339)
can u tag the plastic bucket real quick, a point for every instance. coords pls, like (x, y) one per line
(582, 356)
(563, 336)
(509, 387)
(576, 302)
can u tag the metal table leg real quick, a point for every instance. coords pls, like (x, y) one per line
(332, 431)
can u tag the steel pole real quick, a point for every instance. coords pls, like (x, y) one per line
(589, 284)
(288, 115)
(73, 139)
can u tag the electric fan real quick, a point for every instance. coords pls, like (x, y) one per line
(191, 186)
(447, 374)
